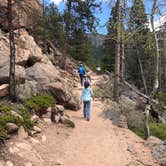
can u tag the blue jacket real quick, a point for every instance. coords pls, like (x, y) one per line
(81, 70)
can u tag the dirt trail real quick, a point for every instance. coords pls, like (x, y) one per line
(91, 143)
(94, 143)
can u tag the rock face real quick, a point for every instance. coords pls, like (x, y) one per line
(159, 153)
(4, 90)
(24, 13)
(35, 72)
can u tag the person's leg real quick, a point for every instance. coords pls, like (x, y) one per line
(81, 79)
(84, 109)
(88, 111)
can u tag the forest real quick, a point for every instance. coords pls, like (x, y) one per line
(41, 47)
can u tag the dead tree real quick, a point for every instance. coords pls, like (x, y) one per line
(117, 54)
(12, 81)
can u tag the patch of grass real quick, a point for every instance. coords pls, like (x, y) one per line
(162, 101)
(27, 123)
(71, 124)
(4, 108)
(138, 131)
(39, 102)
(7, 117)
(158, 130)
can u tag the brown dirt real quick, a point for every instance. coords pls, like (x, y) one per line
(94, 143)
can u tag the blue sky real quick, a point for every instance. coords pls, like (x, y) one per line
(104, 15)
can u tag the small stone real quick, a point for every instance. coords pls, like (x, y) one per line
(22, 134)
(28, 164)
(24, 146)
(9, 163)
(57, 118)
(58, 162)
(35, 141)
(13, 150)
(4, 90)
(130, 148)
(65, 119)
(34, 118)
(11, 128)
(37, 129)
(47, 120)
(44, 138)
(49, 109)
(60, 108)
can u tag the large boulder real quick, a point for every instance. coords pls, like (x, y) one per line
(4, 90)
(4, 74)
(159, 153)
(28, 49)
(4, 50)
(43, 77)
(25, 13)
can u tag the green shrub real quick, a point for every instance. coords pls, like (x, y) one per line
(162, 100)
(6, 119)
(27, 123)
(71, 124)
(39, 101)
(158, 130)
(4, 108)
(137, 131)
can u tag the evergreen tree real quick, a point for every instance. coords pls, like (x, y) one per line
(140, 55)
(108, 60)
(79, 20)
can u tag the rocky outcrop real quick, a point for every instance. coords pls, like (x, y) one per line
(19, 75)
(35, 72)
(24, 13)
(159, 153)
(4, 90)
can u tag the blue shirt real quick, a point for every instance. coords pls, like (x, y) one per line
(81, 70)
(87, 93)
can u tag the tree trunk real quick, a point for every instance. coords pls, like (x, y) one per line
(141, 68)
(156, 76)
(44, 30)
(122, 59)
(117, 55)
(12, 82)
(146, 123)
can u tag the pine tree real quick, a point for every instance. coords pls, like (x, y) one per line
(79, 19)
(108, 60)
(140, 56)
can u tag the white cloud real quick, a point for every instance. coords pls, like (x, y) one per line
(56, 1)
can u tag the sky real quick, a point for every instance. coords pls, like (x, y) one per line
(105, 13)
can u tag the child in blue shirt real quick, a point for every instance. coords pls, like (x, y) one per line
(86, 95)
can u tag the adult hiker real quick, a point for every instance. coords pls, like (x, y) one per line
(81, 72)
(86, 95)
(88, 73)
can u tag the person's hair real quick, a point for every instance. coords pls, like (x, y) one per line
(86, 84)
